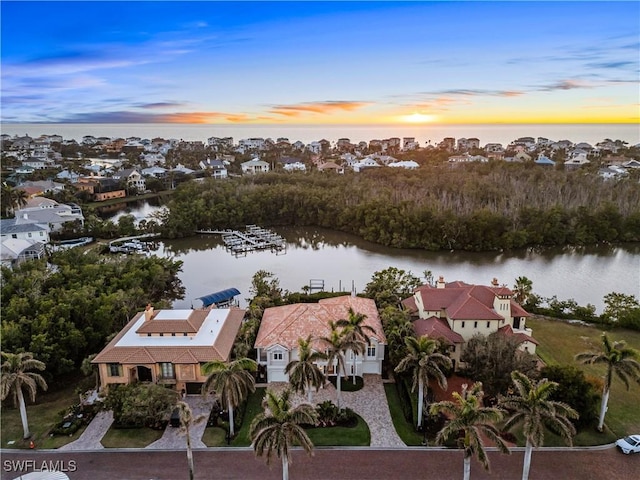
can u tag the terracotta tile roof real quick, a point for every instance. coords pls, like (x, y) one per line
(175, 349)
(520, 337)
(191, 324)
(437, 328)
(284, 325)
(465, 302)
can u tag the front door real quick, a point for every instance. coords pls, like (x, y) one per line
(144, 374)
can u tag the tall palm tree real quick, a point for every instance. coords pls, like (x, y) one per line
(278, 429)
(355, 327)
(186, 419)
(16, 377)
(424, 362)
(13, 198)
(338, 344)
(231, 381)
(468, 421)
(522, 289)
(619, 359)
(303, 373)
(532, 408)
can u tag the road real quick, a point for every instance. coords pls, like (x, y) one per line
(347, 464)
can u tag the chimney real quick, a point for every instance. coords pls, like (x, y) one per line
(148, 312)
(440, 283)
(494, 282)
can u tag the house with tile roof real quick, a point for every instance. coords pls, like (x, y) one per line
(456, 311)
(169, 347)
(277, 340)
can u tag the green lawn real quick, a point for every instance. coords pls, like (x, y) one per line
(358, 436)
(42, 416)
(130, 437)
(254, 407)
(214, 437)
(561, 341)
(405, 430)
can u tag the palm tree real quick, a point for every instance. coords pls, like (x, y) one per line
(231, 381)
(304, 373)
(338, 345)
(522, 289)
(186, 419)
(277, 430)
(16, 377)
(619, 359)
(424, 361)
(533, 409)
(13, 198)
(468, 421)
(355, 327)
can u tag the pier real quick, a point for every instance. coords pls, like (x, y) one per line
(253, 238)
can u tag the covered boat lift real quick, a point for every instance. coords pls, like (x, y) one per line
(221, 299)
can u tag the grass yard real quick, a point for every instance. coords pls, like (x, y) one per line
(561, 341)
(404, 429)
(358, 436)
(130, 437)
(214, 437)
(254, 407)
(42, 416)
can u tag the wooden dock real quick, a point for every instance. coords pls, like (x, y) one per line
(252, 239)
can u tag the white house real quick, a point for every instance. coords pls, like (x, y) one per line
(254, 166)
(218, 170)
(281, 327)
(133, 178)
(407, 164)
(366, 162)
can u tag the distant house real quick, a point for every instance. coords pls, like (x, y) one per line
(48, 213)
(21, 241)
(544, 161)
(101, 188)
(291, 164)
(157, 172)
(365, 163)
(330, 167)
(277, 340)
(406, 164)
(217, 168)
(133, 178)
(169, 347)
(254, 166)
(454, 312)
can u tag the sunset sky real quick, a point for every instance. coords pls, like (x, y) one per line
(320, 62)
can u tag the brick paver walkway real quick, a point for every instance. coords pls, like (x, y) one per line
(90, 438)
(174, 438)
(370, 403)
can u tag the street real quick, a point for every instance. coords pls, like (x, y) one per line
(350, 464)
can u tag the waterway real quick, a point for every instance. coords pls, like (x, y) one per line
(345, 263)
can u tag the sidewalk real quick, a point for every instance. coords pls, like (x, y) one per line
(174, 438)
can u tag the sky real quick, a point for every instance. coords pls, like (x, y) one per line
(444, 62)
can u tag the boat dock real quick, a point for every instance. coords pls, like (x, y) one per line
(253, 238)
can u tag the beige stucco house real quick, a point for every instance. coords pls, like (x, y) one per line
(281, 327)
(456, 311)
(169, 347)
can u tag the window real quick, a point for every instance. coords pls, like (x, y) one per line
(115, 369)
(173, 334)
(263, 356)
(462, 324)
(371, 350)
(488, 324)
(14, 235)
(475, 324)
(277, 356)
(29, 234)
(166, 370)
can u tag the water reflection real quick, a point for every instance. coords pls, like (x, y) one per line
(341, 260)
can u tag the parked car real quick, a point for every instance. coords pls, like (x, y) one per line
(630, 444)
(174, 421)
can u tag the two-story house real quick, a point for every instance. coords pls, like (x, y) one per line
(169, 347)
(454, 312)
(281, 327)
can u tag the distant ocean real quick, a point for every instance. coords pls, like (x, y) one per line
(424, 134)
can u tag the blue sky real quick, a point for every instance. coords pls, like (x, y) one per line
(320, 62)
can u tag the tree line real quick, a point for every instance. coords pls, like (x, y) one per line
(66, 309)
(470, 207)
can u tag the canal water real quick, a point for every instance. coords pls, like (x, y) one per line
(344, 262)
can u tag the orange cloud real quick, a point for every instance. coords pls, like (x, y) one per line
(316, 107)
